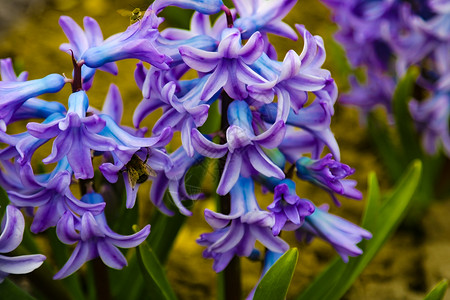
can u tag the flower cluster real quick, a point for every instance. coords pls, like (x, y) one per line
(274, 114)
(387, 37)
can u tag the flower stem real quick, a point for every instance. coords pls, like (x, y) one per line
(77, 83)
(228, 15)
(232, 273)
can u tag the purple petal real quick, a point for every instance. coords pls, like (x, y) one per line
(75, 35)
(79, 256)
(174, 192)
(272, 137)
(113, 105)
(89, 227)
(129, 241)
(200, 60)
(20, 264)
(253, 49)
(205, 147)
(291, 65)
(263, 164)
(215, 82)
(230, 173)
(12, 230)
(110, 255)
(65, 229)
(130, 191)
(265, 236)
(93, 32)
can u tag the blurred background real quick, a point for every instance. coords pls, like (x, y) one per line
(407, 266)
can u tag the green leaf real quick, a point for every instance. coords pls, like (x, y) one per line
(370, 216)
(438, 291)
(154, 274)
(338, 277)
(274, 285)
(164, 231)
(403, 120)
(125, 284)
(389, 153)
(10, 291)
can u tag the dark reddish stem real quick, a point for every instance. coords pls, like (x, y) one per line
(229, 16)
(77, 84)
(290, 171)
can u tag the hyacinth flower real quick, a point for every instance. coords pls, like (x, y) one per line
(236, 233)
(264, 17)
(76, 135)
(80, 41)
(292, 79)
(377, 91)
(432, 118)
(138, 41)
(289, 210)
(260, 98)
(51, 195)
(94, 239)
(314, 119)
(329, 175)
(205, 7)
(11, 236)
(243, 147)
(173, 179)
(229, 66)
(15, 93)
(31, 108)
(340, 233)
(394, 36)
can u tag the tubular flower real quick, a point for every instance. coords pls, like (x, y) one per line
(288, 209)
(76, 135)
(236, 233)
(138, 41)
(229, 65)
(340, 233)
(52, 198)
(14, 94)
(94, 239)
(243, 146)
(80, 41)
(329, 175)
(173, 178)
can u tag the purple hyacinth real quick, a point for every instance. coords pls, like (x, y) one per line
(51, 197)
(76, 135)
(329, 175)
(265, 17)
(244, 148)
(229, 66)
(80, 41)
(12, 232)
(289, 209)
(173, 179)
(94, 239)
(138, 41)
(15, 93)
(236, 233)
(338, 232)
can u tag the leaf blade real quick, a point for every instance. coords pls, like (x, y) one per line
(275, 283)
